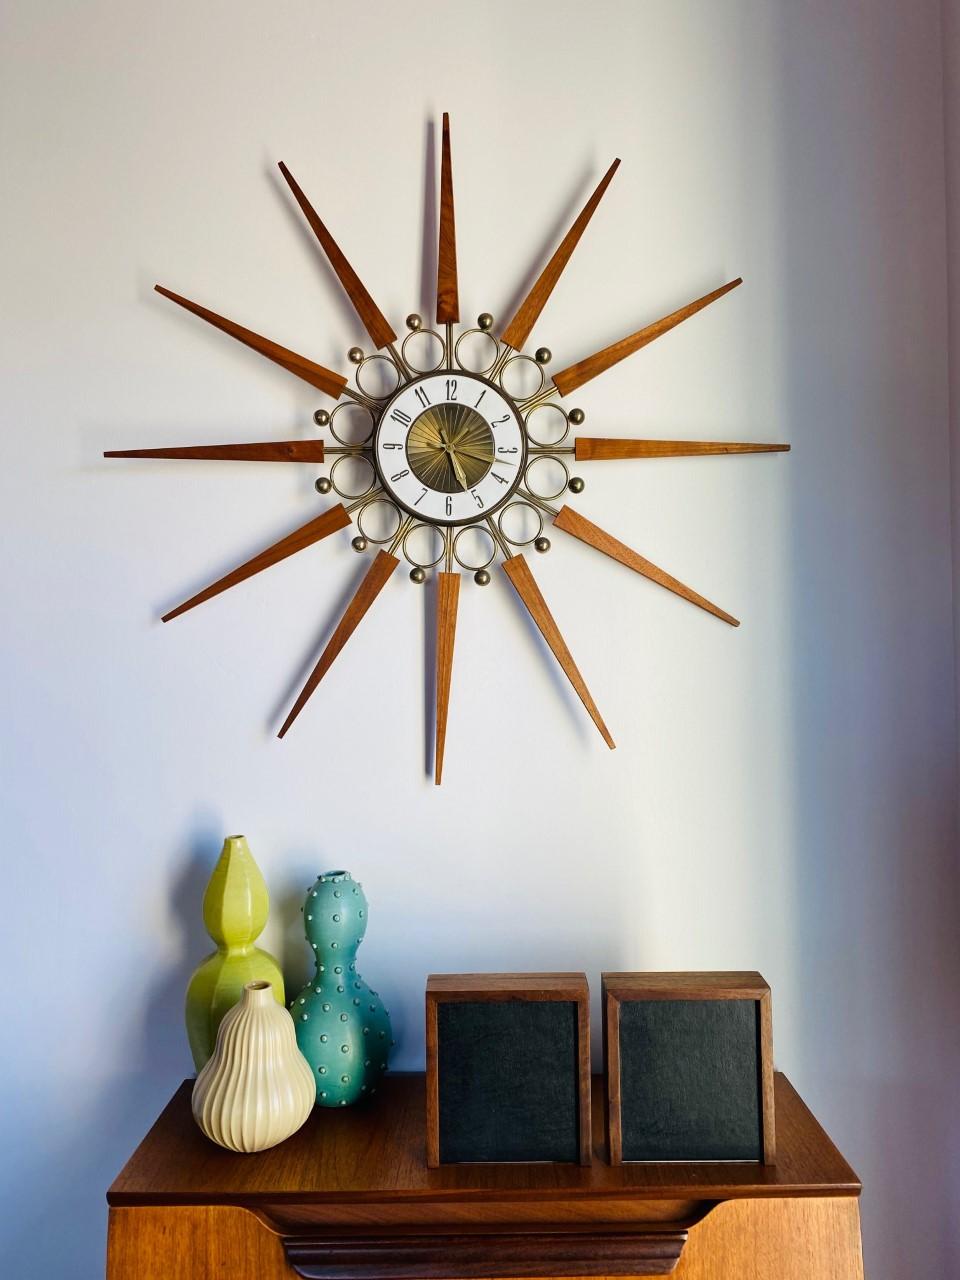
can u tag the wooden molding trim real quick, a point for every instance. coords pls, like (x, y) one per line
(476, 1255)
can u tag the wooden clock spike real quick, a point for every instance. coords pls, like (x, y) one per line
(325, 380)
(448, 597)
(265, 451)
(579, 526)
(374, 581)
(518, 330)
(448, 294)
(575, 375)
(518, 571)
(329, 522)
(598, 448)
(373, 319)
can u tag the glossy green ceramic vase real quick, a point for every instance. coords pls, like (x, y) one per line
(235, 908)
(343, 1029)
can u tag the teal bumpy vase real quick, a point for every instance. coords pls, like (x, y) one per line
(343, 1029)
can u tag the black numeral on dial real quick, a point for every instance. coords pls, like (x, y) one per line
(399, 416)
(399, 476)
(451, 388)
(422, 397)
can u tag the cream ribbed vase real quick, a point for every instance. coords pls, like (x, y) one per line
(258, 1088)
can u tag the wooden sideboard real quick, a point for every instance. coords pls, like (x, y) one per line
(350, 1197)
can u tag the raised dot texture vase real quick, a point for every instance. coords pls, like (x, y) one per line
(343, 1029)
(235, 907)
(257, 1088)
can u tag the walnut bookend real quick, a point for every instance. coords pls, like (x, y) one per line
(508, 1068)
(688, 1059)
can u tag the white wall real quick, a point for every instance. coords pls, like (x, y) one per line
(782, 796)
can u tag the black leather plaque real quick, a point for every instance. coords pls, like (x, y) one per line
(507, 1076)
(690, 1080)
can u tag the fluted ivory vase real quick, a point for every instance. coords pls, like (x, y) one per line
(258, 1088)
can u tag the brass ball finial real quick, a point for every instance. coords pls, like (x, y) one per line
(417, 575)
(543, 355)
(577, 484)
(481, 577)
(576, 416)
(322, 484)
(414, 322)
(355, 355)
(542, 545)
(485, 321)
(359, 543)
(322, 418)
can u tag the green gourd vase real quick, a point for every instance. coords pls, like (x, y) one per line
(343, 1029)
(235, 907)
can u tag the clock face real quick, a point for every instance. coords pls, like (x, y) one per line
(450, 447)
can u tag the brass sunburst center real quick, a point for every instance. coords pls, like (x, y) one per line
(450, 448)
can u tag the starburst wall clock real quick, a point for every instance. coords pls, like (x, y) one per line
(450, 451)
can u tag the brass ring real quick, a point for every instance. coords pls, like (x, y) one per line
(423, 333)
(352, 497)
(522, 542)
(369, 537)
(475, 568)
(430, 564)
(367, 360)
(351, 444)
(525, 395)
(469, 333)
(546, 457)
(547, 444)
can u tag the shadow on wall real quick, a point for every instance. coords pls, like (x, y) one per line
(877, 969)
(66, 1185)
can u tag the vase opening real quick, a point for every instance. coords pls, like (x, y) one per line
(257, 986)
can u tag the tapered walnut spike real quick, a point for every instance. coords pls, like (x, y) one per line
(580, 527)
(373, 583)
(575, 375)
(518, 330)
(448, 294)
(448, 596)
(598, 448)
(323, 379)
(373, 319)
(518, 571)
(332, 520)
(265, 451)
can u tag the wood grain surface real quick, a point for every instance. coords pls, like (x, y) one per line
(518, 330)
(518, 571)
(745, 1239)
(263, 451)
(374, 581)
(372, 318)
(599, 448)
(575, 375)
(321, 527)
(448, 596)
(323, 379)
(448, 294)
(579, 526)
(372, 1156)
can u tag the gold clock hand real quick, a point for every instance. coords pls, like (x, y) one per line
(459, 472)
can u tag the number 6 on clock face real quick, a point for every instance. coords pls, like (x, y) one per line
(463, 444)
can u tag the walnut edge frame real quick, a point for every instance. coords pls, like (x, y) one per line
(616, 987)
(443, 987)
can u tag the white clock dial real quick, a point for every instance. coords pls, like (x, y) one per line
(450, 448)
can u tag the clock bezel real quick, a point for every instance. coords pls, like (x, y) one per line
(455, 521)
